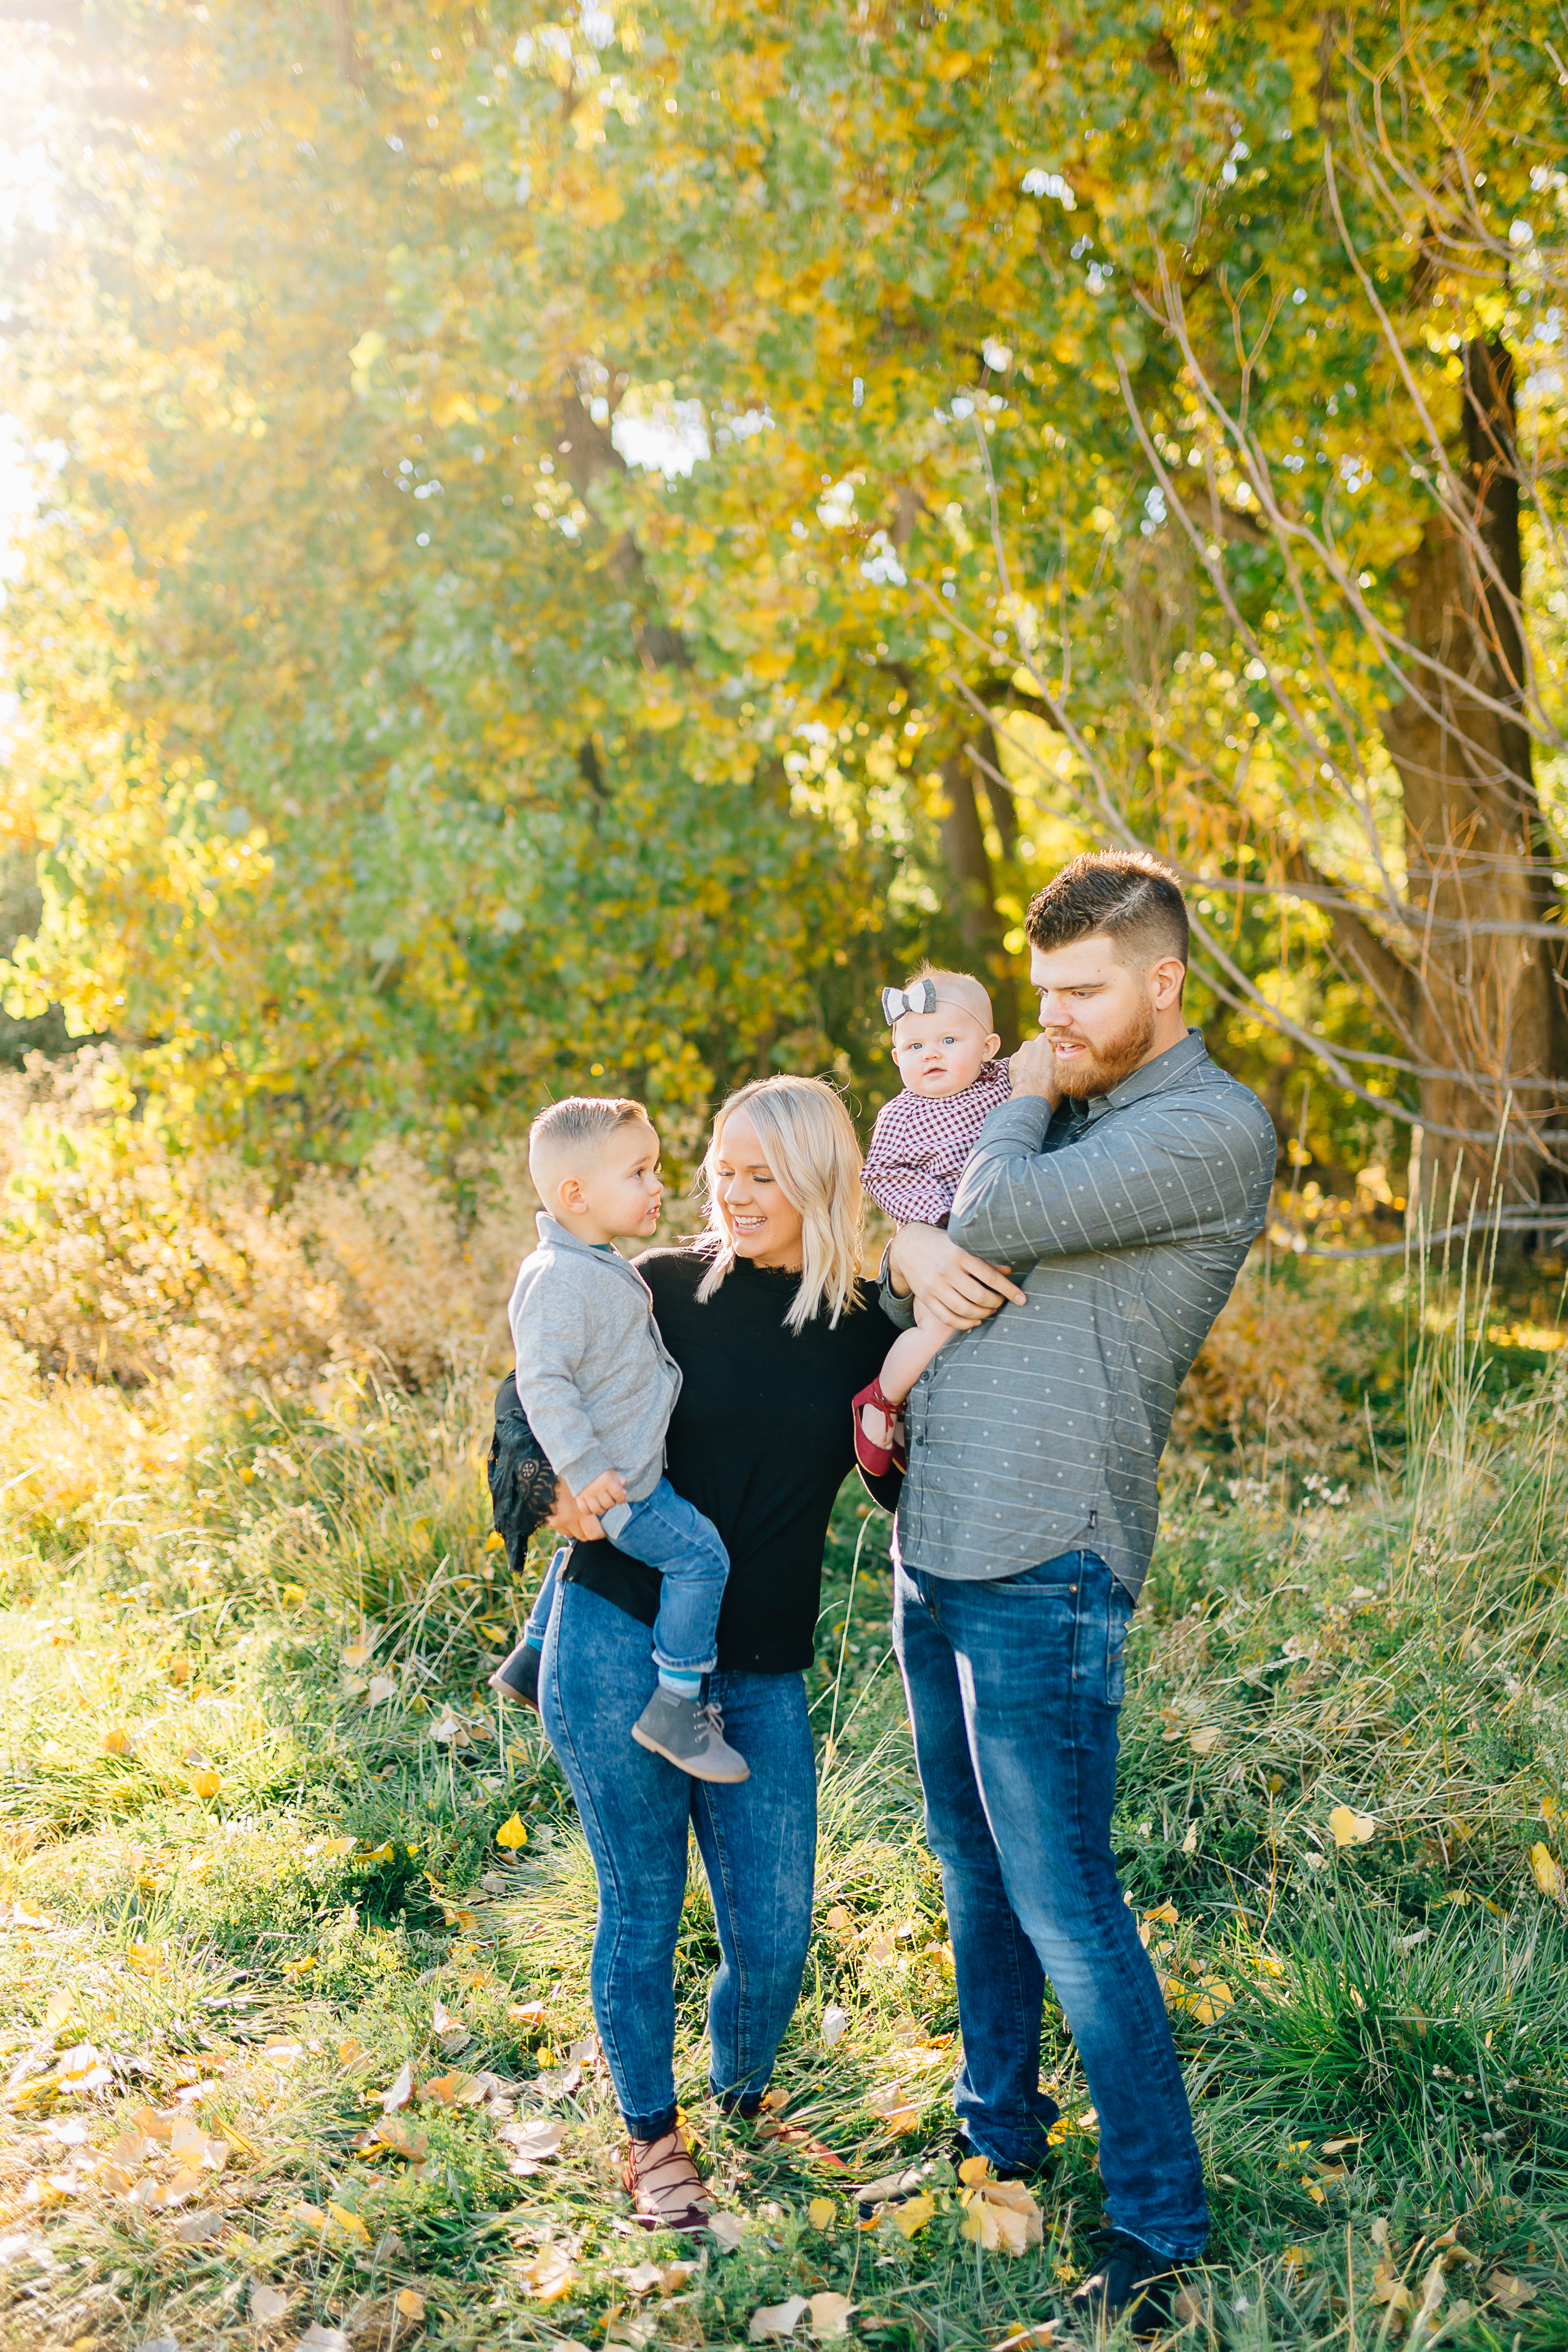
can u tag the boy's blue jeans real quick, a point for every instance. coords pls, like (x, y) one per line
(664, 1531)
(1014, 1687)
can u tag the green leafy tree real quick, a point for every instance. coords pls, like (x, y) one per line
(1109, 426)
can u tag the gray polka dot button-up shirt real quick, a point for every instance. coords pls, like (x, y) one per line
(1126, 1221)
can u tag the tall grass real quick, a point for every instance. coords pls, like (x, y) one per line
(254, 1778)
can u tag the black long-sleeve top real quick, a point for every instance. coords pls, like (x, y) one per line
(761, 1439)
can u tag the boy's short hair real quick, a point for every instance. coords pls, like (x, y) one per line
(1124, 895)
(567, 1135)
(960, 988)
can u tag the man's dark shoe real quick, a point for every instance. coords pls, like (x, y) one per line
(517, 1677)
(1128, 2282)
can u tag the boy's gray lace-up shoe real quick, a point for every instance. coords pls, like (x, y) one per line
(689, 1733)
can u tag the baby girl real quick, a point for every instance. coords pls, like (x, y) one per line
(943, 1041)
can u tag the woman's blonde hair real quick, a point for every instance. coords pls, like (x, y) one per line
(815, 1157)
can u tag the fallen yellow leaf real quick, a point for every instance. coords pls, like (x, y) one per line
(453, 2090)
(147, 1959)
(1351, 1828)
(1002, 2217)
(512, 1835)
(1204, 1742)
(549, 2277)
(399, 2090)
(913, 2215)
(115, 1741)
(1210, 2002)
(409, 2305)
(1548, 1871)
(830, 2315)
(820, 2212)
(1388, 2287)
(350, 2223)
(770, 2321)
(206, 1783)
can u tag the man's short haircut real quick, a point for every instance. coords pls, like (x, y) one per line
(1123, 894)
(960, 988)
(568, 1135)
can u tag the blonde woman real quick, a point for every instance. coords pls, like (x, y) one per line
(766, 1317)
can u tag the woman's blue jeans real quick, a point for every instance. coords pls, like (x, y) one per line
(1013, 1688)
(758, 1842)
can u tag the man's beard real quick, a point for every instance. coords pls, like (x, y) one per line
(1095, 1070)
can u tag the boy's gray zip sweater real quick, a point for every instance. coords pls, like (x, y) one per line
(595, 1379)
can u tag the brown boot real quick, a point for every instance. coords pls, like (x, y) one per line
(665, 2186)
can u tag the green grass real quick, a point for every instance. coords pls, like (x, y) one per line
(219, 1833)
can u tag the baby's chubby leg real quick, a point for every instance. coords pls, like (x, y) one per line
(911, 1351)
(881, 1415)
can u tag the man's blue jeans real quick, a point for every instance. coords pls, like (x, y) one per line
(756, 1838)
(666, 1532)
(1013, 1689)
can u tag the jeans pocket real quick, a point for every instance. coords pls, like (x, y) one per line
(1118, 1618)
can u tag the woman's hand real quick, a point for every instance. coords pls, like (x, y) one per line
(963, 1290)
(566, 1519)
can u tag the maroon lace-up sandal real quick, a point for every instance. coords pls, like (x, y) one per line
(665, 2188)
(876, 1460)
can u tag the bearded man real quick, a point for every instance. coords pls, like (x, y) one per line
(1121, 1186)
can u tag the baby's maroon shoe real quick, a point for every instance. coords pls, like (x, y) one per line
(874, 1459)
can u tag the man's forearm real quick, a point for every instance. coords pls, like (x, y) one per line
(964, 1290)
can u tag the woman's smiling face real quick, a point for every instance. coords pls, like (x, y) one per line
(761, 1224)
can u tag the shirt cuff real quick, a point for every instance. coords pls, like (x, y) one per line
(583, 1471)
(897, 1310)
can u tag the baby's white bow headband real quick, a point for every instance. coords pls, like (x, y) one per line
(920, 997)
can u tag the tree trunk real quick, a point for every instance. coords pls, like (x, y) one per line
(974, 893)
(343, 40)
(1487, 1007)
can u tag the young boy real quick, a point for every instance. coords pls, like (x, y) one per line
(598, 1386)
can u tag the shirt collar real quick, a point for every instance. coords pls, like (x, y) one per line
(1175, 1062)
(550, 1229)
